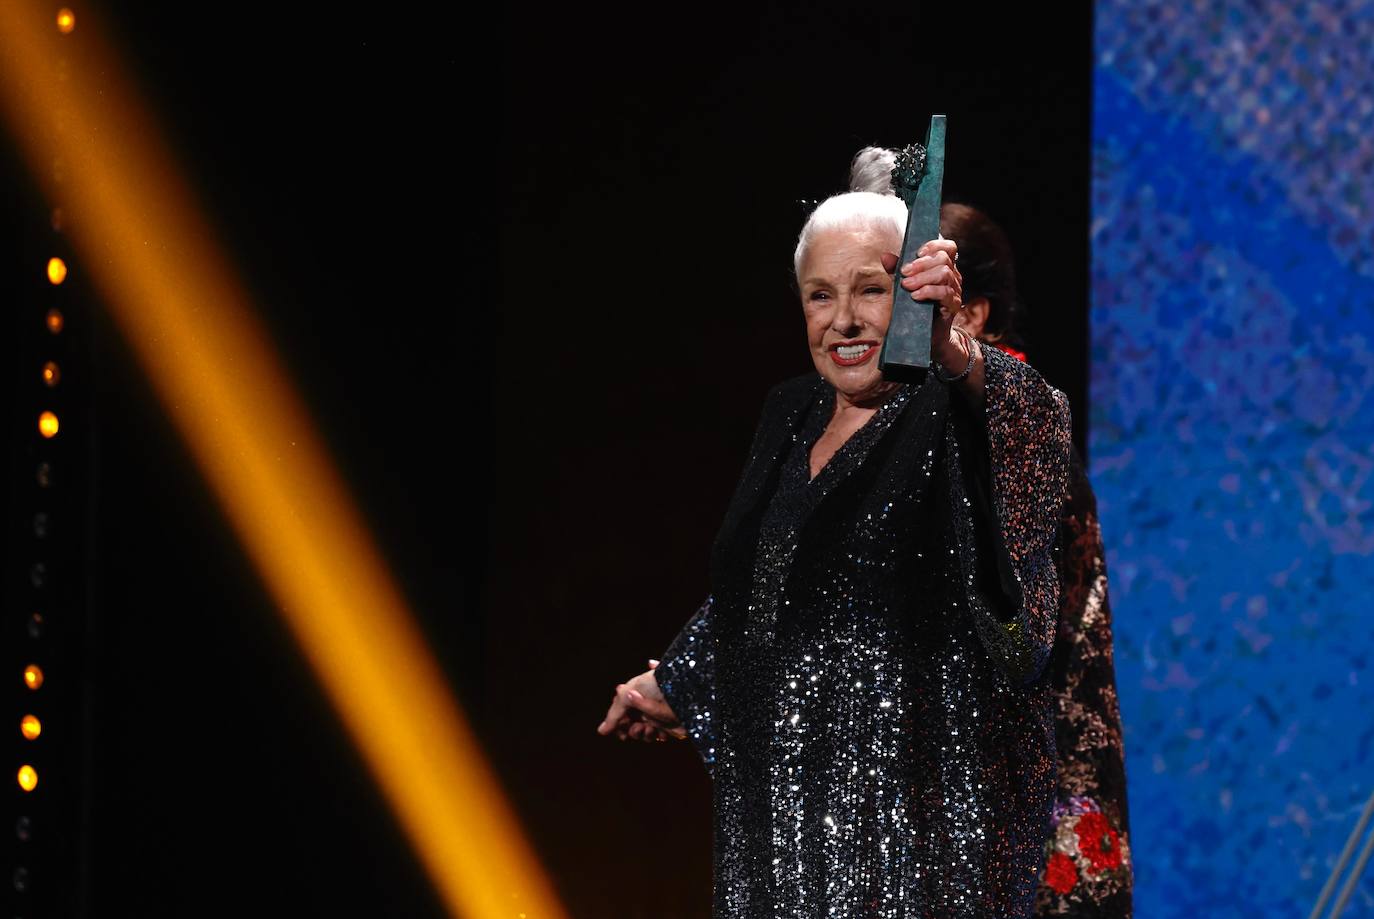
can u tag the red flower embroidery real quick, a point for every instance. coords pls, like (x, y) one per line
(1060, 875)
(1098, 842)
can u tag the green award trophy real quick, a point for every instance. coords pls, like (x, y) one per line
(917, 178)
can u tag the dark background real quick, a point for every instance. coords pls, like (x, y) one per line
(533, 277)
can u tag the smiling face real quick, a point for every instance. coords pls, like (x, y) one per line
(847, 300)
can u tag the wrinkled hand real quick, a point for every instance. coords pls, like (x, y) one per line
(934, 276)
(639, 712)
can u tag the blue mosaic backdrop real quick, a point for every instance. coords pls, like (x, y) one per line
(1231, 432)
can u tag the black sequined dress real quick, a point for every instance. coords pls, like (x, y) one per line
(865, 683)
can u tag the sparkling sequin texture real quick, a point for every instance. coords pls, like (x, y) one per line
(866, 683)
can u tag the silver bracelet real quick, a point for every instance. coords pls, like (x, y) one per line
(935, 365)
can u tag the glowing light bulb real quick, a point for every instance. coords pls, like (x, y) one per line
(28, 777)
(55, 321)
(57, 270)
(33, 676)
(66, 21)
(30, 727)
(47, 424)
(52, 374)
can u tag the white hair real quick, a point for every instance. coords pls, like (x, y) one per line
(871, 170)
(855, 210)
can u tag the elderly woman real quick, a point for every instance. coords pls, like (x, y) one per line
(864, 683)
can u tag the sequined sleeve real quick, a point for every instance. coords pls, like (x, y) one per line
(1023, 458)
(687, 677)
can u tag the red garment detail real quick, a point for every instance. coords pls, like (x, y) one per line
(1019, 355)
(1098, 842)
(1060, 875)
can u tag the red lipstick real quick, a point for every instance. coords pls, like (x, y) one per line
(870, 348)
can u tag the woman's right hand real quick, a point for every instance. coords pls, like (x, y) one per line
(639, 712)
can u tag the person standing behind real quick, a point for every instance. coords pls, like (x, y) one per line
(1088, 869)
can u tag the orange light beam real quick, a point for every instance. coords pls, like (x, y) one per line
(138, 233)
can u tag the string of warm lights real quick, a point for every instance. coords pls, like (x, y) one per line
(35, 813)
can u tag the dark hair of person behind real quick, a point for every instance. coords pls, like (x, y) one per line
(985, 258)
(986, 262)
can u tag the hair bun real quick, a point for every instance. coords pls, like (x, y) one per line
(871, 170)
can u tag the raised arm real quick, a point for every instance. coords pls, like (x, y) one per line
(1014, 451)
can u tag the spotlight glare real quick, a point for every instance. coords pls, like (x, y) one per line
(66, 21)
(52, 374)
(28, 777)
(47, 424)
(188, 318)
(33, 676)
(57, 270)
(30, 727)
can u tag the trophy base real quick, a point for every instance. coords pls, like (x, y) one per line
(905, 357)
(904, 373)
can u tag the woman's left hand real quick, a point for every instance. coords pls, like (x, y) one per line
(638, 711)
(934, 276)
